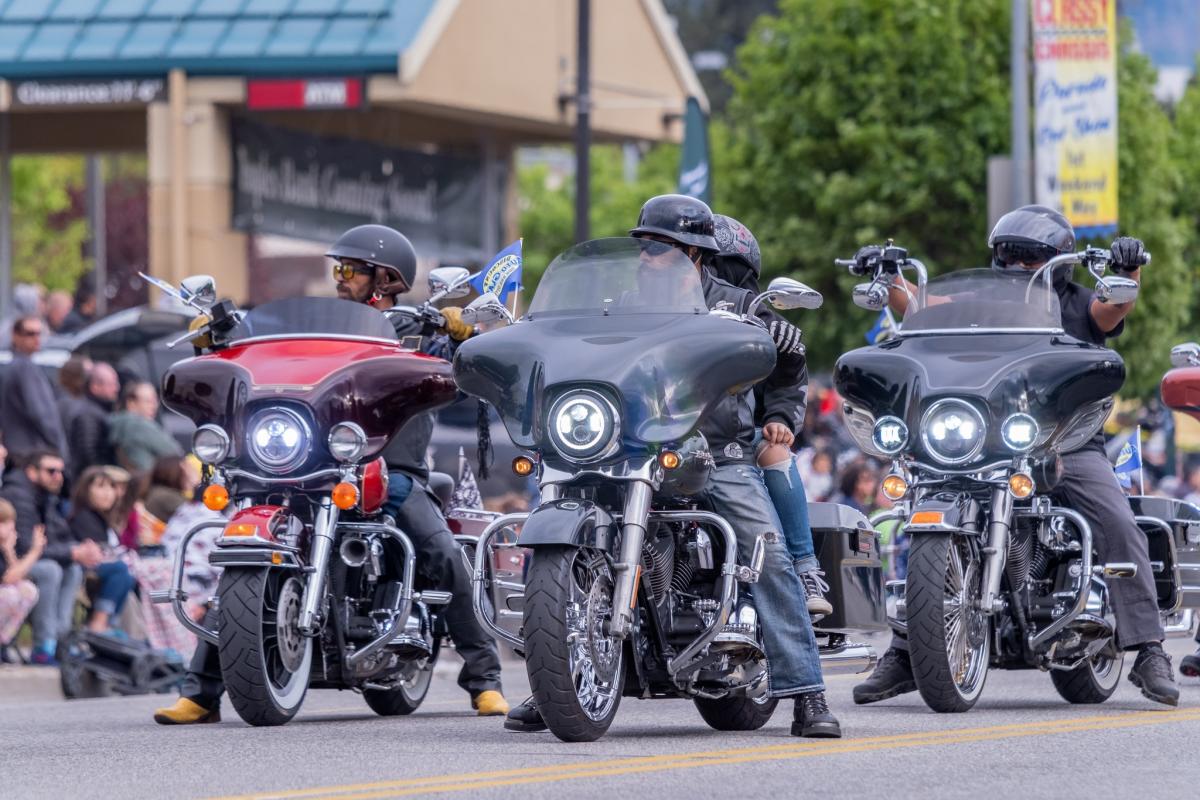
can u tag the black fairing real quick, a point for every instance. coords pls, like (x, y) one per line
(663, 371)
(1049, 376)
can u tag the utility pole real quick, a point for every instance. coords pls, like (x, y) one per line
(97, 223)
(583, 123)
(1022, 189)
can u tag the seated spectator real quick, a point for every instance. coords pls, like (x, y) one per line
(87, 429)
(136, 436)
(93, 503)
(170, 487)
(58, 307)
(33, 491)
(18, 595)
(858, 485)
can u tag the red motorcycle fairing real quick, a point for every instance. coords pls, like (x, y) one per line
(1181, 390)
(374, 486)
(254, 523)
(378, 385)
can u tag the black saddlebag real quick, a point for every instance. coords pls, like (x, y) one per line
(848, 549)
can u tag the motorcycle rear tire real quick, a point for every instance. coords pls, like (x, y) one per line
(1082, 686)
(402, 700)
(244, 650)
(735, 713)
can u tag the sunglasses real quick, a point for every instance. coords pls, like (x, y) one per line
(344, 271)
(1010, 253)
(52, 470)
(26, 332)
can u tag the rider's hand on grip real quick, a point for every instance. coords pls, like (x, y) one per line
(1128, 254)
(786, 337)
(865, 258)
(458, 330)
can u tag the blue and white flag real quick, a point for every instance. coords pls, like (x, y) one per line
(882, 329)
(1129, 460)
(503, 275)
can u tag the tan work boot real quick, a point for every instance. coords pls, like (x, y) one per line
(186, 712)
(490, 704)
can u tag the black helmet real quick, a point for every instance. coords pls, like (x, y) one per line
(1030, 235)
(738, 260)
(383, 247)
(684, 219)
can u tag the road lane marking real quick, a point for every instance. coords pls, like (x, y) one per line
(673, 761)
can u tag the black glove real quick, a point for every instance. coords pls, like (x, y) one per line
(786, 337)
(863, 257)
(1128, 254)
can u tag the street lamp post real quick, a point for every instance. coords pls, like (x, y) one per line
(583, 124)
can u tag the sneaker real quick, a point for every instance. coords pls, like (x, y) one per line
(1190, 665)
(489, 704)
(187, 712)
(525, 718)
(9, 654)
(813, 719)
(41, 658)
(893, 676)
(815, 588)
(1152, 674)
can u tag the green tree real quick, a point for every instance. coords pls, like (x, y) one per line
(48, 235)
(1185, 155)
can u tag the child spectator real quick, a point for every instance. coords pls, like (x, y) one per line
(18, 595)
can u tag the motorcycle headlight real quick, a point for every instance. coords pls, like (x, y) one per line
(210, 444)
(278, 439)
(1019, 432)
(347, 441)
(890, 434)
(953, 431)
(583, 425)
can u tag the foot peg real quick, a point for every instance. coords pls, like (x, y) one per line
(1117, 569)
(432, 598)
(165, 596)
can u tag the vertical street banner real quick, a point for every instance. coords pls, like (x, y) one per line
(693, 164)
(1075, 119)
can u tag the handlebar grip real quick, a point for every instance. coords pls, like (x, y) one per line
(844, 262)
(1145, 258)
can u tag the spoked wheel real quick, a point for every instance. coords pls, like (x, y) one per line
(948, 634)
(1091, 682)
(576, 671)
(265, 661)
(406, 697)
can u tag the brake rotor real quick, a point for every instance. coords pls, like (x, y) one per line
(603, 650)
(287, 617)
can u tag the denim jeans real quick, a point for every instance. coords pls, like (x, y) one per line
(737, 493)
(115, 585)
(57, 587)
(787, 495)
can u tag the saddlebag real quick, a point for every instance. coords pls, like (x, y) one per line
(1184, 521)
(848, 549)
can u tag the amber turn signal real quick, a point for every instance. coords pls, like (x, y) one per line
(345, 496)
(927, 518)
(894, 487)
(241, 529)
(216, 497)
(669, 459)
(1021, 485)
(523, 466)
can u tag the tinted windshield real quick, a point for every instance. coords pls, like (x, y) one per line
(313, 316)
(619, 276)
(983, 299)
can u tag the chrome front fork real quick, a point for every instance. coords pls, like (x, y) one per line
(322, 546)
(633, 534)
(996, 553)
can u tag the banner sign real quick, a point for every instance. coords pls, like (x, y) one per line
(693, 163)
(100, 92)
(275, 93)
(1075, 97)
(310, 187)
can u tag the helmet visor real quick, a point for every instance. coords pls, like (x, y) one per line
(1010, 254)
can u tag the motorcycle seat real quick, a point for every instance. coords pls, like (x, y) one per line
(442, 486)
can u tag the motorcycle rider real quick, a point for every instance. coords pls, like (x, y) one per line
(1022, 241)
(735, 489)
(738, 262)
(374, 265)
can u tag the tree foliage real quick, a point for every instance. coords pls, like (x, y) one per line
(47, 239)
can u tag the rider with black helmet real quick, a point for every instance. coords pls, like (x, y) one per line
(735, 489)
(374, 264)
(1021, 242)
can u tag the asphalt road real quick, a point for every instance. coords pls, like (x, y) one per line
(1020, 740)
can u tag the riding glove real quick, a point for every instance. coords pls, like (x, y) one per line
(1128, 254)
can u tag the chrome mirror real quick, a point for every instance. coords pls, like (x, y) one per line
(449, 282)
(199, 290)
(1117, 291)
(1185, 355)
(786, 294)
(871, 296)
(486, 309)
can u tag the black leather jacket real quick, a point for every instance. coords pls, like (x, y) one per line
(781, 397)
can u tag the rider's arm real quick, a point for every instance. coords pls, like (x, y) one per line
(785, 391)
(1107, 316)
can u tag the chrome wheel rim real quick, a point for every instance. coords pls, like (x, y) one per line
(286, 653)
(593, 657)
(966, 626)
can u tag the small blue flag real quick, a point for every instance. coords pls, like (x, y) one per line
(881, 330)
(1130, 458)
(503, 275)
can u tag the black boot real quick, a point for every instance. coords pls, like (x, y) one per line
(1152, 674)
(525, 718)
(893, 676)
(1190, 665)
(812, 718)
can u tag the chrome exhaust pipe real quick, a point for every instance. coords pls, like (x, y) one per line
(354, 551)
(850, 658)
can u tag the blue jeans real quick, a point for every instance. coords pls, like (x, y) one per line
(737, 493)
(57, 587)
(400, 486)
(787, 495)
(115, 585)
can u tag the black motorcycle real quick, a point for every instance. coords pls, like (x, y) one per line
(973, 400)
(632, 589)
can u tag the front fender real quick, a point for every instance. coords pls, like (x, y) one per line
(580, 523)
(944, 512)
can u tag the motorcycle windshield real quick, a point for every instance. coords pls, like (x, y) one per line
(619, 276)
(979, 300)
(314, 318)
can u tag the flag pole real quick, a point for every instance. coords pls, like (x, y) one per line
(1141, 466)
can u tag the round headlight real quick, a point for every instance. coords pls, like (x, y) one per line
(210, 444)
(278, 439)
(582, 425)
(1019, 432)
(347, 441)
(953, 431)
(890, 435)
